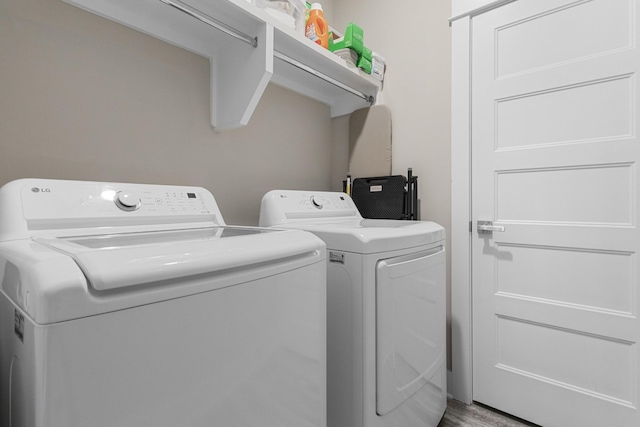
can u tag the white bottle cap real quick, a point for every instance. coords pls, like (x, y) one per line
(316, 6)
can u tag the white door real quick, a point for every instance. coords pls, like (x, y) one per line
(554, 162)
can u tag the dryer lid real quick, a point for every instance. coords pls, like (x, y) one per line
(335, 219)
(368, 236)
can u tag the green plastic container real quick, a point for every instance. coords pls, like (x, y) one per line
(353, 39)
(367, 53)
(364, 64)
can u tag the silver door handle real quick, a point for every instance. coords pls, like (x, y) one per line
(486, 227)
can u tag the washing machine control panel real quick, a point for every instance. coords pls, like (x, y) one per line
(49, 204)
(148, 200)
(318, 202)
(127, 200)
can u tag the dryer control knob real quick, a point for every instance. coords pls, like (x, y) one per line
(317, 202)
(127, 200)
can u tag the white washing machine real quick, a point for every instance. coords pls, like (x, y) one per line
(135, 305)
(386, 298)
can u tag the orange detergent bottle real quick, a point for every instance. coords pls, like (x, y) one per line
(317, 28)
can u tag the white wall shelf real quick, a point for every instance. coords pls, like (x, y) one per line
(247, 49)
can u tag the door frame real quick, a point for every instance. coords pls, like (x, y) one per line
(460, 381)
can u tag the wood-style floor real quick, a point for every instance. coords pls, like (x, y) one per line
(461, 415)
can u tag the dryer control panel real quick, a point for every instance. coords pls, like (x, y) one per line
(279, 206)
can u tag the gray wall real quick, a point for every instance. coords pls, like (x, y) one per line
(82, 97)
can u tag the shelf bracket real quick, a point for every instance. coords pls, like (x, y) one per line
(239, 77)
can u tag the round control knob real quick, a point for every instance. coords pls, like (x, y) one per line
(127, 200)
(317, 202)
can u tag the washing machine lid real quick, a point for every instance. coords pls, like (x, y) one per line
(115, 261)
(64, 278)
(368, 236)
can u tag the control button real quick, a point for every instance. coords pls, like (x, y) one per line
(317, 202)
(127, 200)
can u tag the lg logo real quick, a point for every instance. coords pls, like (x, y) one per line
(41, 190)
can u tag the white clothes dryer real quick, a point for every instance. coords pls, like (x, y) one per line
(136, 305)
(386, 300)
